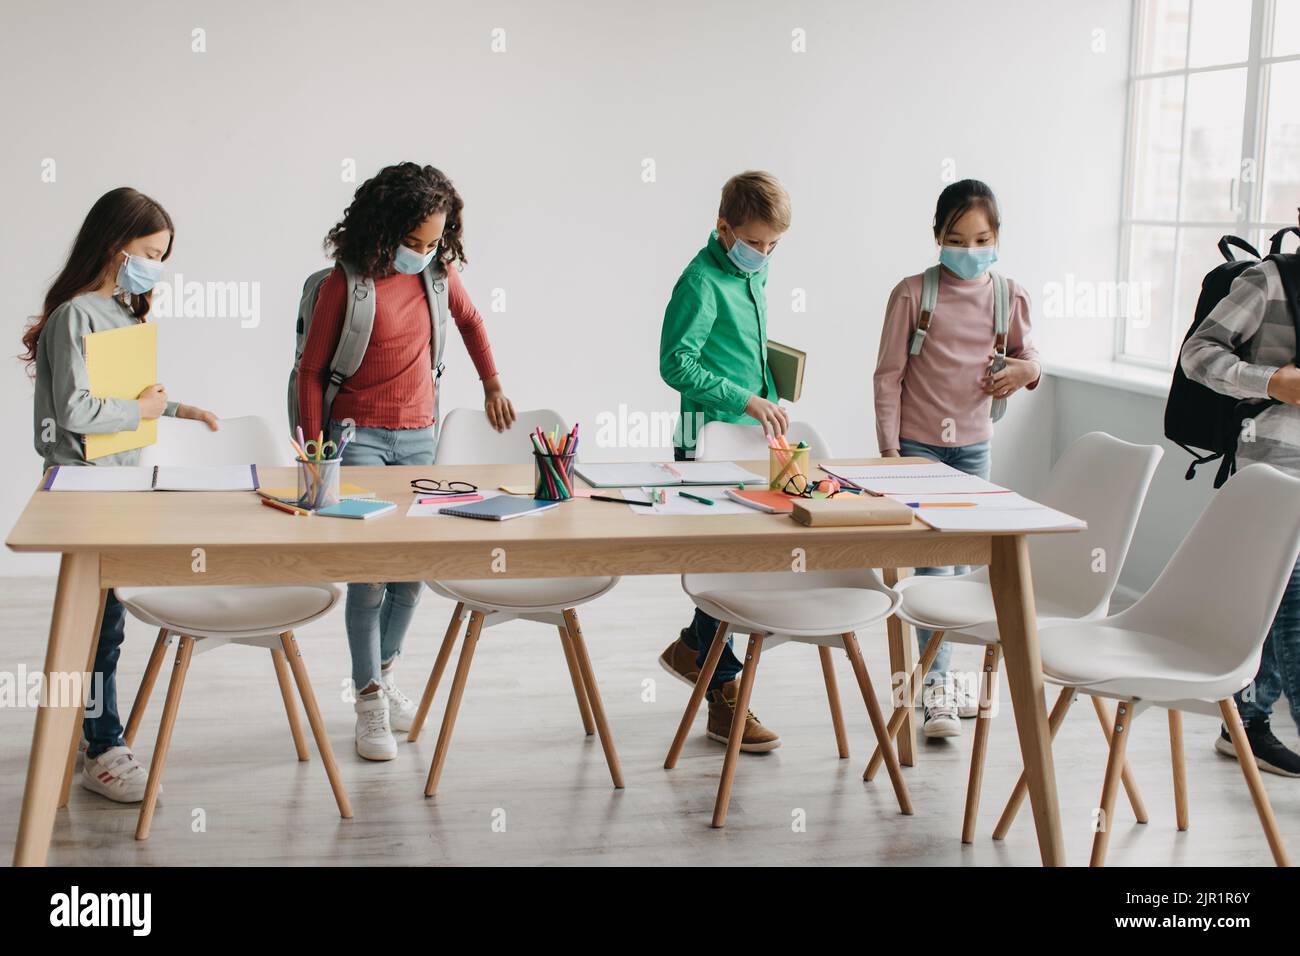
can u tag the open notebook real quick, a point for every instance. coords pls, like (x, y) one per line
(928, 479)
(155, 478)
(659, 474)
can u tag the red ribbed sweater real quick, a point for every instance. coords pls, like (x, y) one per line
(393, 388)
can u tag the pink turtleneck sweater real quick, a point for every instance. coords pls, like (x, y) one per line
(936, 397)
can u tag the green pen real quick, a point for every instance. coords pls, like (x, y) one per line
(702, 500)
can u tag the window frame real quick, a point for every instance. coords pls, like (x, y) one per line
(1249, 195)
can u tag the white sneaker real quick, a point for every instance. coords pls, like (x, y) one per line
(115, 774)
(941, 711)
(374, 735)
(968, 702)
(401, 709)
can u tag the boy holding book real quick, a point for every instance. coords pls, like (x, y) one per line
(713, 351)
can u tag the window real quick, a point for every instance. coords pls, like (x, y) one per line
(1213, 148)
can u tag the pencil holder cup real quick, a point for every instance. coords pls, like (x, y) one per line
(318, 483)
(784, 464)
(552, 476)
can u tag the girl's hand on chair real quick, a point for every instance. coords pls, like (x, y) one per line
(500, 412)
(198, 414)
(1017, 374)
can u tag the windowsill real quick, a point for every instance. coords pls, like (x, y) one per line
(1118, 375)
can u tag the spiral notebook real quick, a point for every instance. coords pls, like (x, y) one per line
(500, 508)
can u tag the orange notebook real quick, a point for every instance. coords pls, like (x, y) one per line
(773, 502)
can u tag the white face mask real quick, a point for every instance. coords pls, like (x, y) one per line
(409, 262)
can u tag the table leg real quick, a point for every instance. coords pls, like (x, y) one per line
(76, 605)
(900, 663)
(1013, 597)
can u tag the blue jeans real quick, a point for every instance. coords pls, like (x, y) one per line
(378, 615)
(1279, 666)
(974, 460)
(699, 636)
(105, 731)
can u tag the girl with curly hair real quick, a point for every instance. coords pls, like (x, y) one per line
(400, 221)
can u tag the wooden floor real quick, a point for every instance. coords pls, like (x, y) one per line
(523, 785)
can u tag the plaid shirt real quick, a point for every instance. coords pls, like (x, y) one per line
(1247, 337)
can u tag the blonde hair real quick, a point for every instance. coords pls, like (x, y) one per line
(755, 196)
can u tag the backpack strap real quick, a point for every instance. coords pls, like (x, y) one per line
(929, 296)
(1001, 310)
(436, 286)
(354, 336)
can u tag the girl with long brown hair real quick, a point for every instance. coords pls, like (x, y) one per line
(105, 284)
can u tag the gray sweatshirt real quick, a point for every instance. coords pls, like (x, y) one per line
(64, 410)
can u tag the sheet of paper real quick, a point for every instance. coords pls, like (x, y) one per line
(433, 509)
(205, 478)
(106, 478)
(912, 479)
(677, 505)
(122, 363)
(992, 512)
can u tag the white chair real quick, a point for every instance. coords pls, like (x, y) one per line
(1193, 640)
(205, 617)
(468, 438)
(724, 441)
(824, 608)
(1100, 479)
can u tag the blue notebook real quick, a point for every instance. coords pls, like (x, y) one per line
(357, 508)
(500, 508)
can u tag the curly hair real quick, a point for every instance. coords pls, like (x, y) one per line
(384, 210)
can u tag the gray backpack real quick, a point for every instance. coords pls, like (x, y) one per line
(1001, 308)
(358, 320)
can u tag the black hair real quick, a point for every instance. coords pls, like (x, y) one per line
(957, 199)
(384, 211)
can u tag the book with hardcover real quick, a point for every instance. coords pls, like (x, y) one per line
(787, 365)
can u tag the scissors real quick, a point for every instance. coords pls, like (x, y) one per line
(322, 449)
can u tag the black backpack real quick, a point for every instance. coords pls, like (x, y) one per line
(1197, 417)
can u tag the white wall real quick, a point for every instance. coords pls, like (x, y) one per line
(244, 145)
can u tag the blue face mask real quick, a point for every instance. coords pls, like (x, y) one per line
(138, 275)
(745, 258)
(968, 262)
(409, 262)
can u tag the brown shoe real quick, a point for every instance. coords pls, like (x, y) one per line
(679, 660)
(722, 709)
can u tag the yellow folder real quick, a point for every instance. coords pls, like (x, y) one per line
(122, 363)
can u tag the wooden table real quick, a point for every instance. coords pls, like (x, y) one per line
(120, 539)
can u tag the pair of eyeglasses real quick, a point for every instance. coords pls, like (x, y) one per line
(800, 486)
(432, 486)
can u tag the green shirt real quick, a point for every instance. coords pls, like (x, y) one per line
(64, 410)
(713, 348)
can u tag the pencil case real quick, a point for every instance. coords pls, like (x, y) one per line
(849, 511)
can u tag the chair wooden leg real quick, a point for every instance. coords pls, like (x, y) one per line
(453, 702)
(988, 696)
(574, 628)
(1179, 762)
(439, 665)
(89, 673)
(171, 707)
(1054, 721)
(883, 741)
(697, 694)
(737, 732)
(900, 715)
(289, 644)
(1110, 786)
(575, 675)
(900, 662)
(147, 682)
(283, 678)
(1126, 772)
(833, 698)
(1250, 770)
